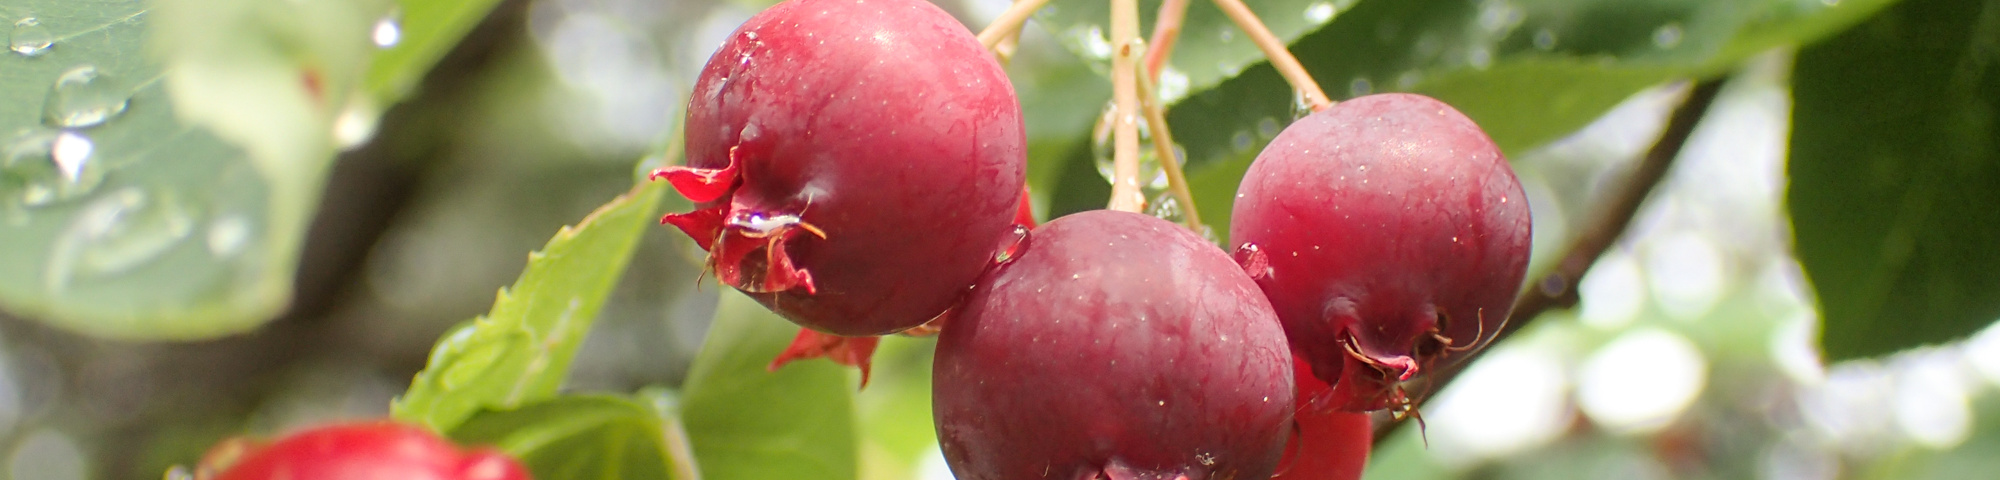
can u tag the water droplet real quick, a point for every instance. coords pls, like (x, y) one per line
(1104, 146)
(227, 235)
(1012, 245)
(1360, 86)
(1545, 39)
(43, 167)
(470, 364)
(1253, 260)
(356, 123)
(1319, 12)
(1093, 41)
(1173, 84)
(1667, 36)
(388, 31)
(30, 38)
(83, 98)
(1166, 207)
(1300, 105)
(116, 233)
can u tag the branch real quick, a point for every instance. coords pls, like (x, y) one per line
(1125, 194)
(1557, 289)
(1166, 32)
(1274, 49)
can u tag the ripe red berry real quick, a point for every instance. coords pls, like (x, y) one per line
(1113, 344)
(855, 163)
(360, 451)
(1389, 233)
(1327, 444)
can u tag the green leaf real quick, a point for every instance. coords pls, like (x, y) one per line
(167, 196)
(520, 351)
(1528, 72)
(426, 30)
(1895, 173)
(747, 423)
(586, 436)
(1210, 49)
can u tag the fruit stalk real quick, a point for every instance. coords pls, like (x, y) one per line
(1163, 147)
(1125, 194)
(1009, 23)
(1557, 289)
(1281, 58)
(1166, 31)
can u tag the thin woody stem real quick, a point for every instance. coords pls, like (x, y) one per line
(1166, 31)
(1125, 194)
(1163, 147)
(1009, 23)
(1282, 59)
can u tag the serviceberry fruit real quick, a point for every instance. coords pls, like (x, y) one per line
(1113, 345)
(1389, 233)
(356, 451)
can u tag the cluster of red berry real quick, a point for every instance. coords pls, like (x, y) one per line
(857, 166)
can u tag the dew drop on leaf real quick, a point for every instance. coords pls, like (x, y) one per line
(39, 167)
(118, 232)
(30, 38)
(82, 97)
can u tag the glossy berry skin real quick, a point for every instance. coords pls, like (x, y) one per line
(1115, 345)
(1390, 234)
(855, 164)
(1327, 444)
(359, 451)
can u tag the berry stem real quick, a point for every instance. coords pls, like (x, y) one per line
(1163, 147)
(1009, 23)
(1166, 31)
(1281, 58)
(1557, 289)
(1125, 194)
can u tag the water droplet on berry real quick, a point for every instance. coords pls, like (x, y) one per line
(83, 98)
(1011, 246)
(1254, 260)
(30, 38)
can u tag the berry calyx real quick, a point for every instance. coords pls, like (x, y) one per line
(356, 451)
(1390, 234)
(1114, 345)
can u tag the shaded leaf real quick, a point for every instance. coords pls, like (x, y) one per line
(587, 436)
(1895, 172)
(520, 352)
(751, 424)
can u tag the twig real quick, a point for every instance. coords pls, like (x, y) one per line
(1163, 147)
(1557, 289)
(1009, 22)
(1125, 194)
(1281, 59)
(1166, 32)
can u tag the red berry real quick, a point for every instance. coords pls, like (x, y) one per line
(854, 163)
(360, 451)
(1328, 444)
(1390, 233)
(1113, 344)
